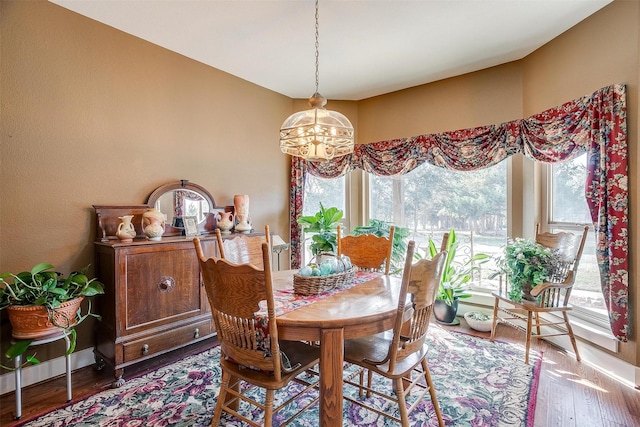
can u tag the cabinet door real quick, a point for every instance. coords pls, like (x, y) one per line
(162, 286)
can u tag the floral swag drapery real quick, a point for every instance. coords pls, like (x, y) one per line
(594, 123)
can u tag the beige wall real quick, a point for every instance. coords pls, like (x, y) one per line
(486, 97)
(91, 115)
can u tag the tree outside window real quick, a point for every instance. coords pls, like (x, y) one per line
(431, 200)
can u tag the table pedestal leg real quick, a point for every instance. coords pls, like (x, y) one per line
(331, 361)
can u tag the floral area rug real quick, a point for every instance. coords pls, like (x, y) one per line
(477, 382)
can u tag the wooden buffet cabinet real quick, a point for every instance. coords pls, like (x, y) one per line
(154, 300)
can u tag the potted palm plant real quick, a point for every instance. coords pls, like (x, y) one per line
(456, 276)
(41, 302)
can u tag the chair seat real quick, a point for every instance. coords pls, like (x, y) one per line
(363, 351)
(297, 352)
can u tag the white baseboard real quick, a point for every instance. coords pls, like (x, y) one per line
(33, 374)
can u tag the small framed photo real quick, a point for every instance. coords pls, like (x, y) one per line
(190, 226)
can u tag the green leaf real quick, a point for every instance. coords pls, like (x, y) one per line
(32, 359)
(72, 341)
(18, 348)
(39, 268)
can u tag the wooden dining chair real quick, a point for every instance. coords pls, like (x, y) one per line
(242, 249)
(401, 353)
(367, 251)
(550, 297)
(247, 354)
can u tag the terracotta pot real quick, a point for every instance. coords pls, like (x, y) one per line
(32, 321)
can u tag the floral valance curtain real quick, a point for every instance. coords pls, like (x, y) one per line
(595, 123)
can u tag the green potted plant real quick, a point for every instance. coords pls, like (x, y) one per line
(527, 264)
(456, 276)
(323, 225)
(46, 298)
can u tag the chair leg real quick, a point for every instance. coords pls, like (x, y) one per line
(361, 382)
(528, 342)
(538, 323)
(495, 319)
(217, 413)
(571, 336)
(369, 381)
(432, 392)
(402, 403)
(268, 408)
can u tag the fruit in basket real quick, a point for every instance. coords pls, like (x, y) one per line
(315, 271)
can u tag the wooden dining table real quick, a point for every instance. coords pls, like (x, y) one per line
(365, 309)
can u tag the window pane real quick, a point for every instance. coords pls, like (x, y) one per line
(329, 192)
(568, 201)
(569, 206)
(431, 200)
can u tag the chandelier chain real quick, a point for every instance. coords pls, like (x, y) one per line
(317, 49)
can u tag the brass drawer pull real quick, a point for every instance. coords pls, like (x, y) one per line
(196, 333)
(145, 349)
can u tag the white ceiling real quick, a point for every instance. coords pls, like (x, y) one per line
(367, 48)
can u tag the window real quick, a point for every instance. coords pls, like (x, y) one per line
(329, 192)
(567, 210)
(431, 200)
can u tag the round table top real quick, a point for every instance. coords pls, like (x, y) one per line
(366, 308)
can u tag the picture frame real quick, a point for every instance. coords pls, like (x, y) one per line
(190, 226)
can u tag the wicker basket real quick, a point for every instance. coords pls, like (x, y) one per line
(313, 285)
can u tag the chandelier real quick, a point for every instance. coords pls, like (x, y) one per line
(317, 134)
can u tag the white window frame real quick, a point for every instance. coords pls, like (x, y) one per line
(578, 312)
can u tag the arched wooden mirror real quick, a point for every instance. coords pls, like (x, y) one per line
(180, 199)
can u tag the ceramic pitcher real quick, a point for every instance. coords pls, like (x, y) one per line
(126, 231)
(153, 224)
(225, 221)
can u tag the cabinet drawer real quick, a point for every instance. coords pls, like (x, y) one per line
(165, 341)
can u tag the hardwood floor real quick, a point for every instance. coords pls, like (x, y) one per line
(569, 393)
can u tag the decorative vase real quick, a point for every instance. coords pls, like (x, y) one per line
(445, 313)
(224, 221)
(242, 220)
(126, 231)
(33, 321)
(153, 224)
